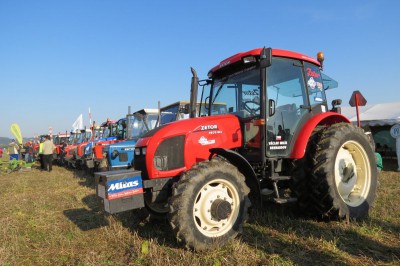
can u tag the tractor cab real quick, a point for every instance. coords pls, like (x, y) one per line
(120, 155)
(96, 134)
(173, 112)
(71, 151)
(95, 149)
(109, 128)
(295, 92)
(141, 122)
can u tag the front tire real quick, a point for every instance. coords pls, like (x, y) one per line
(209, 204)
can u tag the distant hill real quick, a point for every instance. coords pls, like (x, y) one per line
(4, 141)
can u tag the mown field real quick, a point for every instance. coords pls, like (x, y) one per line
(54, 219)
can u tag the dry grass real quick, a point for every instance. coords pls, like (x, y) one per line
(53, 219)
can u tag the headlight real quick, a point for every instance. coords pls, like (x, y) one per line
(137, 151)
(144, 149)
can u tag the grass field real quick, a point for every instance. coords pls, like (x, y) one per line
(54, 219)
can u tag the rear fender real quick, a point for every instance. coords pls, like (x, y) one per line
(245, 168)
(327, 119)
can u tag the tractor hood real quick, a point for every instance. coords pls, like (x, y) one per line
(169, 149)
(124, 144)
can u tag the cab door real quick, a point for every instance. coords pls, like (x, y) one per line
(287, 99)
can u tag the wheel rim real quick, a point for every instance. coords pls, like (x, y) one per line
(352, 173)
(213, 192)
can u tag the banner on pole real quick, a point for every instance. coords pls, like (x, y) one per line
(16, 132)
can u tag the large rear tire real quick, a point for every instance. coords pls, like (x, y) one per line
(343, 178)
(209, 204)
(302, 168)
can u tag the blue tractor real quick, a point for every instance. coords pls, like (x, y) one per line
(120, 155)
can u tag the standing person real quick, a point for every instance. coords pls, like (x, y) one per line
(48, 150)
(40, 152)
(26, 155)
(13, 149)
(29, 153)
(63, 145)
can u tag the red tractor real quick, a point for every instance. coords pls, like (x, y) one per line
(80, 157)
(59, 141)
(71, 149)
(277, 139)
(95, 154)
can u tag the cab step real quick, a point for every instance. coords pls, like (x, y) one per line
(267, 192)
(281, 178)
(285, 200)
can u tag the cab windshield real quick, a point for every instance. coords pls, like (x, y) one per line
(169, 114)
(98, 133)
(71, 139)
(141, 124)
(81, 137)
(238, 94)
(56, 140)
(288, 82)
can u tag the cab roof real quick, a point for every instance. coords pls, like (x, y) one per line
(147, 111)
(257, 51)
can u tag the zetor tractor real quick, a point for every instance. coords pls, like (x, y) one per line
(278, 138)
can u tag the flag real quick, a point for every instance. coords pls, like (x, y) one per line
(78, 124)
(17, 132)
(90, 119)
(51, 133)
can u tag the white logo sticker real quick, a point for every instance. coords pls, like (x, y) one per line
(203, 141)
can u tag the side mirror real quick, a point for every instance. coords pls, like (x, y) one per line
(335, 105)
(336, 102)
(266, 58)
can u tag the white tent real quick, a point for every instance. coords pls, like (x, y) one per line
(379, 118)
(375, 114)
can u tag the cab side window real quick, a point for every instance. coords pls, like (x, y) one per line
(314, 84)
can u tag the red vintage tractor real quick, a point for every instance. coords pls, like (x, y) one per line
(277, 139)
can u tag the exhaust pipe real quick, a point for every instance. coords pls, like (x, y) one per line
(128, 124)
(193, 94)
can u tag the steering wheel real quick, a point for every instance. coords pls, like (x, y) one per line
(252, 111)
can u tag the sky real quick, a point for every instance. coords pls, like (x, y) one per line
(60, 58)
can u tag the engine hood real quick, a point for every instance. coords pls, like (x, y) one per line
(189, 141)
(128, 143)
(213, 125)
